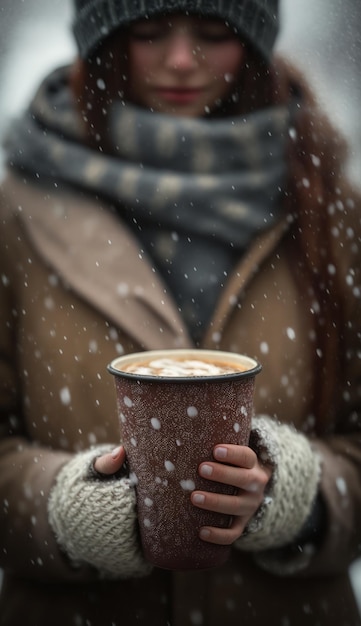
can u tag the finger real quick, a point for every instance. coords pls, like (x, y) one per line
(110, 463)
(237, 505)
(241, 456)
(252, 480)
(224, 536)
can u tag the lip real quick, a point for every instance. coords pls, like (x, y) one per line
(179, 95)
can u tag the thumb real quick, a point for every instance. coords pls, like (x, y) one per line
(110, 463)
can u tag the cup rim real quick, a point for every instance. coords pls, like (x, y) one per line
(255, 366)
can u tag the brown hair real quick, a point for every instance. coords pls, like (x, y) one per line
(316, 154)
(96, 82)
(316, 184)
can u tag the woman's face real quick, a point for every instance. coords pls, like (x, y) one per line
(182, 65)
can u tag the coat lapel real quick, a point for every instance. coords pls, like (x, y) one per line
(240, 278)
(98, 258)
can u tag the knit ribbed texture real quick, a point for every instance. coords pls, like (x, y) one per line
(256, 20)
(292, 490)
(94, 519)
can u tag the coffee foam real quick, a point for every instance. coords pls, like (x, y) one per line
(182, 368)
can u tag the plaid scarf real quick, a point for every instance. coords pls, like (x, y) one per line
(196, 191)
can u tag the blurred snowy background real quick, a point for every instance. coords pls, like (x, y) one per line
(322, 36)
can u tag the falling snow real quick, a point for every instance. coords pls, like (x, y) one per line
(264, 347)
(155, 423)
(341, 485)
(65, 396)
(93, 347)
(123, 289)
(101, 84)
(196, 618)
(291, 334)
(133, 478)
(188, 485)
(49, 303)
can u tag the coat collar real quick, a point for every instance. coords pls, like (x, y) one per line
(99, 258)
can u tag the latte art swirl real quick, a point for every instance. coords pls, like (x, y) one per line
(178, 368)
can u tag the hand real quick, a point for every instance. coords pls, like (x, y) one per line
(89, 521)
(110, 463)
(240, 467)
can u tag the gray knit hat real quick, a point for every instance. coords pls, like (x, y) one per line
(256, 20)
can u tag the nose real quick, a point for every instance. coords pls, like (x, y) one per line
(181, 54)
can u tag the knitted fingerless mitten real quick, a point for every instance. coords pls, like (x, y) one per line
(94, 518)
(291, 491)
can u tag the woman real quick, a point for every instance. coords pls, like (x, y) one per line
(177, 187)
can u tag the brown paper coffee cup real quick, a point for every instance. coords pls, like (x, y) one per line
(169, 425)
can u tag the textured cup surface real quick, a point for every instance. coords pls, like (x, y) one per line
(169, 425)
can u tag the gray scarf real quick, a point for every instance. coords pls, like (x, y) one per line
(197, 191)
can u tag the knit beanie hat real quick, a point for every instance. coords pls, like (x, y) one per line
(255, 20)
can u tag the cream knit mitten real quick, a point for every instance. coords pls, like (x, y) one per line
(94, 518)
(292, 490)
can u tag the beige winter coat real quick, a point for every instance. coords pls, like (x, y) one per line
(75, 292)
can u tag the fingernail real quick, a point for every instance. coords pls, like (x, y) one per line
(206, 470)
(115, 452)
(204, 533)
(220, 453)
(198, 498)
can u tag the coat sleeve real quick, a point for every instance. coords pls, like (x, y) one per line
(28, 545)
(41, 536)
(27, 472)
